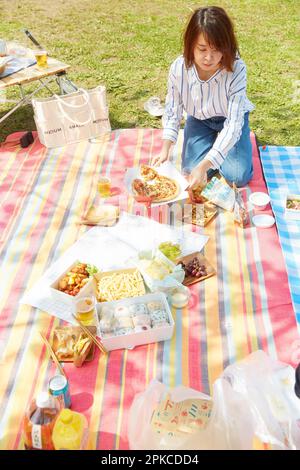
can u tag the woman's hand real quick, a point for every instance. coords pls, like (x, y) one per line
(198, 176)
(163, 156)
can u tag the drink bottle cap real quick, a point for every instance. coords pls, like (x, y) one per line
(43, 400)
(66, 416)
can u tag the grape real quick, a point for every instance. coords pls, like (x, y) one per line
(195, 268)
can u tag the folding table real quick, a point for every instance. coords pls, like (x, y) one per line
(55, 70)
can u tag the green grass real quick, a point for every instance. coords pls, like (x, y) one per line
(129, 46)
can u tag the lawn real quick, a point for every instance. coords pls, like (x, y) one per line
(129, 46)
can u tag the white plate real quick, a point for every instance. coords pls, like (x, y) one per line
(259, 199)
(263, 221)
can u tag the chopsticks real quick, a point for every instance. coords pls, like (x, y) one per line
(91, 336)
(52, 354)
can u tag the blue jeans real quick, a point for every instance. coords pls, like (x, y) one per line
(199, 137)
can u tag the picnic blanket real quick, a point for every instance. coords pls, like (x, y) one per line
(245, 307)
(16, 64)
(281, 167)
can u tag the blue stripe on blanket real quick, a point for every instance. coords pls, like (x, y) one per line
(281, 167)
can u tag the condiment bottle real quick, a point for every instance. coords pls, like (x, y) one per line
(39, 422)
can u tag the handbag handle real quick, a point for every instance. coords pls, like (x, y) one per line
(84, 92)
(81, 123)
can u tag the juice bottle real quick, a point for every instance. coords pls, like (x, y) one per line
(39, 421)
(70, 431)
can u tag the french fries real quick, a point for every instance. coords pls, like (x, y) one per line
(116, 286)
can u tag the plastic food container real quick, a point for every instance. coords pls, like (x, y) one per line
(111, 341)
(88, 289)
(292, 201)
(259, 200)
(179, 297)
(174, 274)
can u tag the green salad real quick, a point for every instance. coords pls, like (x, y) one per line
(171, 250)
(91, 269)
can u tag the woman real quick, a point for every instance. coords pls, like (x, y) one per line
(209, 82)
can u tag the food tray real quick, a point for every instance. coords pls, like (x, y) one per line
(134, 339)
(210, 211)
(292, 214)
(189, 279)
(87, 289)
(75, 332)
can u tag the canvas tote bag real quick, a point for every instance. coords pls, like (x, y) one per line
(64, 119)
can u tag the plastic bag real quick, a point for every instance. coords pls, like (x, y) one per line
(252, 398)
(220, 193)
(267, 386)
(173, 277)
(225, 427)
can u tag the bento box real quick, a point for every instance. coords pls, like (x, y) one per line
(292, 206)
(86, 290)
(125, 324)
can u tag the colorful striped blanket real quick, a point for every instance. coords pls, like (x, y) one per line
(245, 307)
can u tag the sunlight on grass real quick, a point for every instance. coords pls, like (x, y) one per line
(129, 46)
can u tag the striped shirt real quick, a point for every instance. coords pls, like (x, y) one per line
(224, 94)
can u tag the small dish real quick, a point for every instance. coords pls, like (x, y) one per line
(259, 200)
(179, 297)
(263, 221)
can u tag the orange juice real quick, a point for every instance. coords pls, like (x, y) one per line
(104, 184)
(85, 310)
